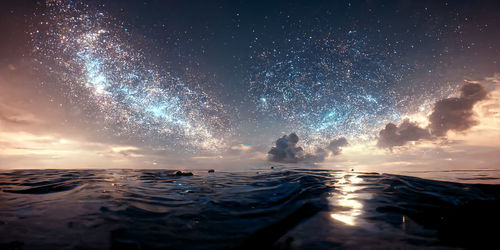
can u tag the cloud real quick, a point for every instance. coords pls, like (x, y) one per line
(456, 113)
(13, 116)
(286, 150)
(318, 156)
(241, 148)
(393, 135)
(449, 114)
(336, 145)
(28, 150)
(127, 151)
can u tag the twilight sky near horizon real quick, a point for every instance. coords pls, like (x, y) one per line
(173, 83)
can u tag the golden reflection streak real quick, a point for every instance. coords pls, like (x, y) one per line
(347, 186)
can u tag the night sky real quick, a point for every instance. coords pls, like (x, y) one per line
(161, 83)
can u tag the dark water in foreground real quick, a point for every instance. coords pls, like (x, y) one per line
(276, 208)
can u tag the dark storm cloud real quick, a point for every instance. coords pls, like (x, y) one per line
(336, 145)
(393, 135)
(456, 113)
(286, 150)
(448, 114)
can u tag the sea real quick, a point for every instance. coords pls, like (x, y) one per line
(272, 207)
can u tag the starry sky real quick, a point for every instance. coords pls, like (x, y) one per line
(174, 83)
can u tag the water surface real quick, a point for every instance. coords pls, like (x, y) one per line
(281, 208)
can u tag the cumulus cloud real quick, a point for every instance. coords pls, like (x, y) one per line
(336, 145)
(454, 113)
(393, 135)
(286, 150)
(318, 156)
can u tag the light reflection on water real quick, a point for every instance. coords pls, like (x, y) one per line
(346, 200)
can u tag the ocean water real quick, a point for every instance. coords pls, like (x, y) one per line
(273, 208)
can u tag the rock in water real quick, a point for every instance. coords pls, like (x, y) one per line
(180, 173)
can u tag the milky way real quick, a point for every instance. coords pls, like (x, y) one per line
(320, 81)
(92, 53)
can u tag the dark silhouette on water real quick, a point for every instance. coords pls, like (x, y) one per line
(180, 173)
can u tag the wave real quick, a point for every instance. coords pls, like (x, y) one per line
(273, 208)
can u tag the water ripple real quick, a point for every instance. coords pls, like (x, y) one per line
(281, 208)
